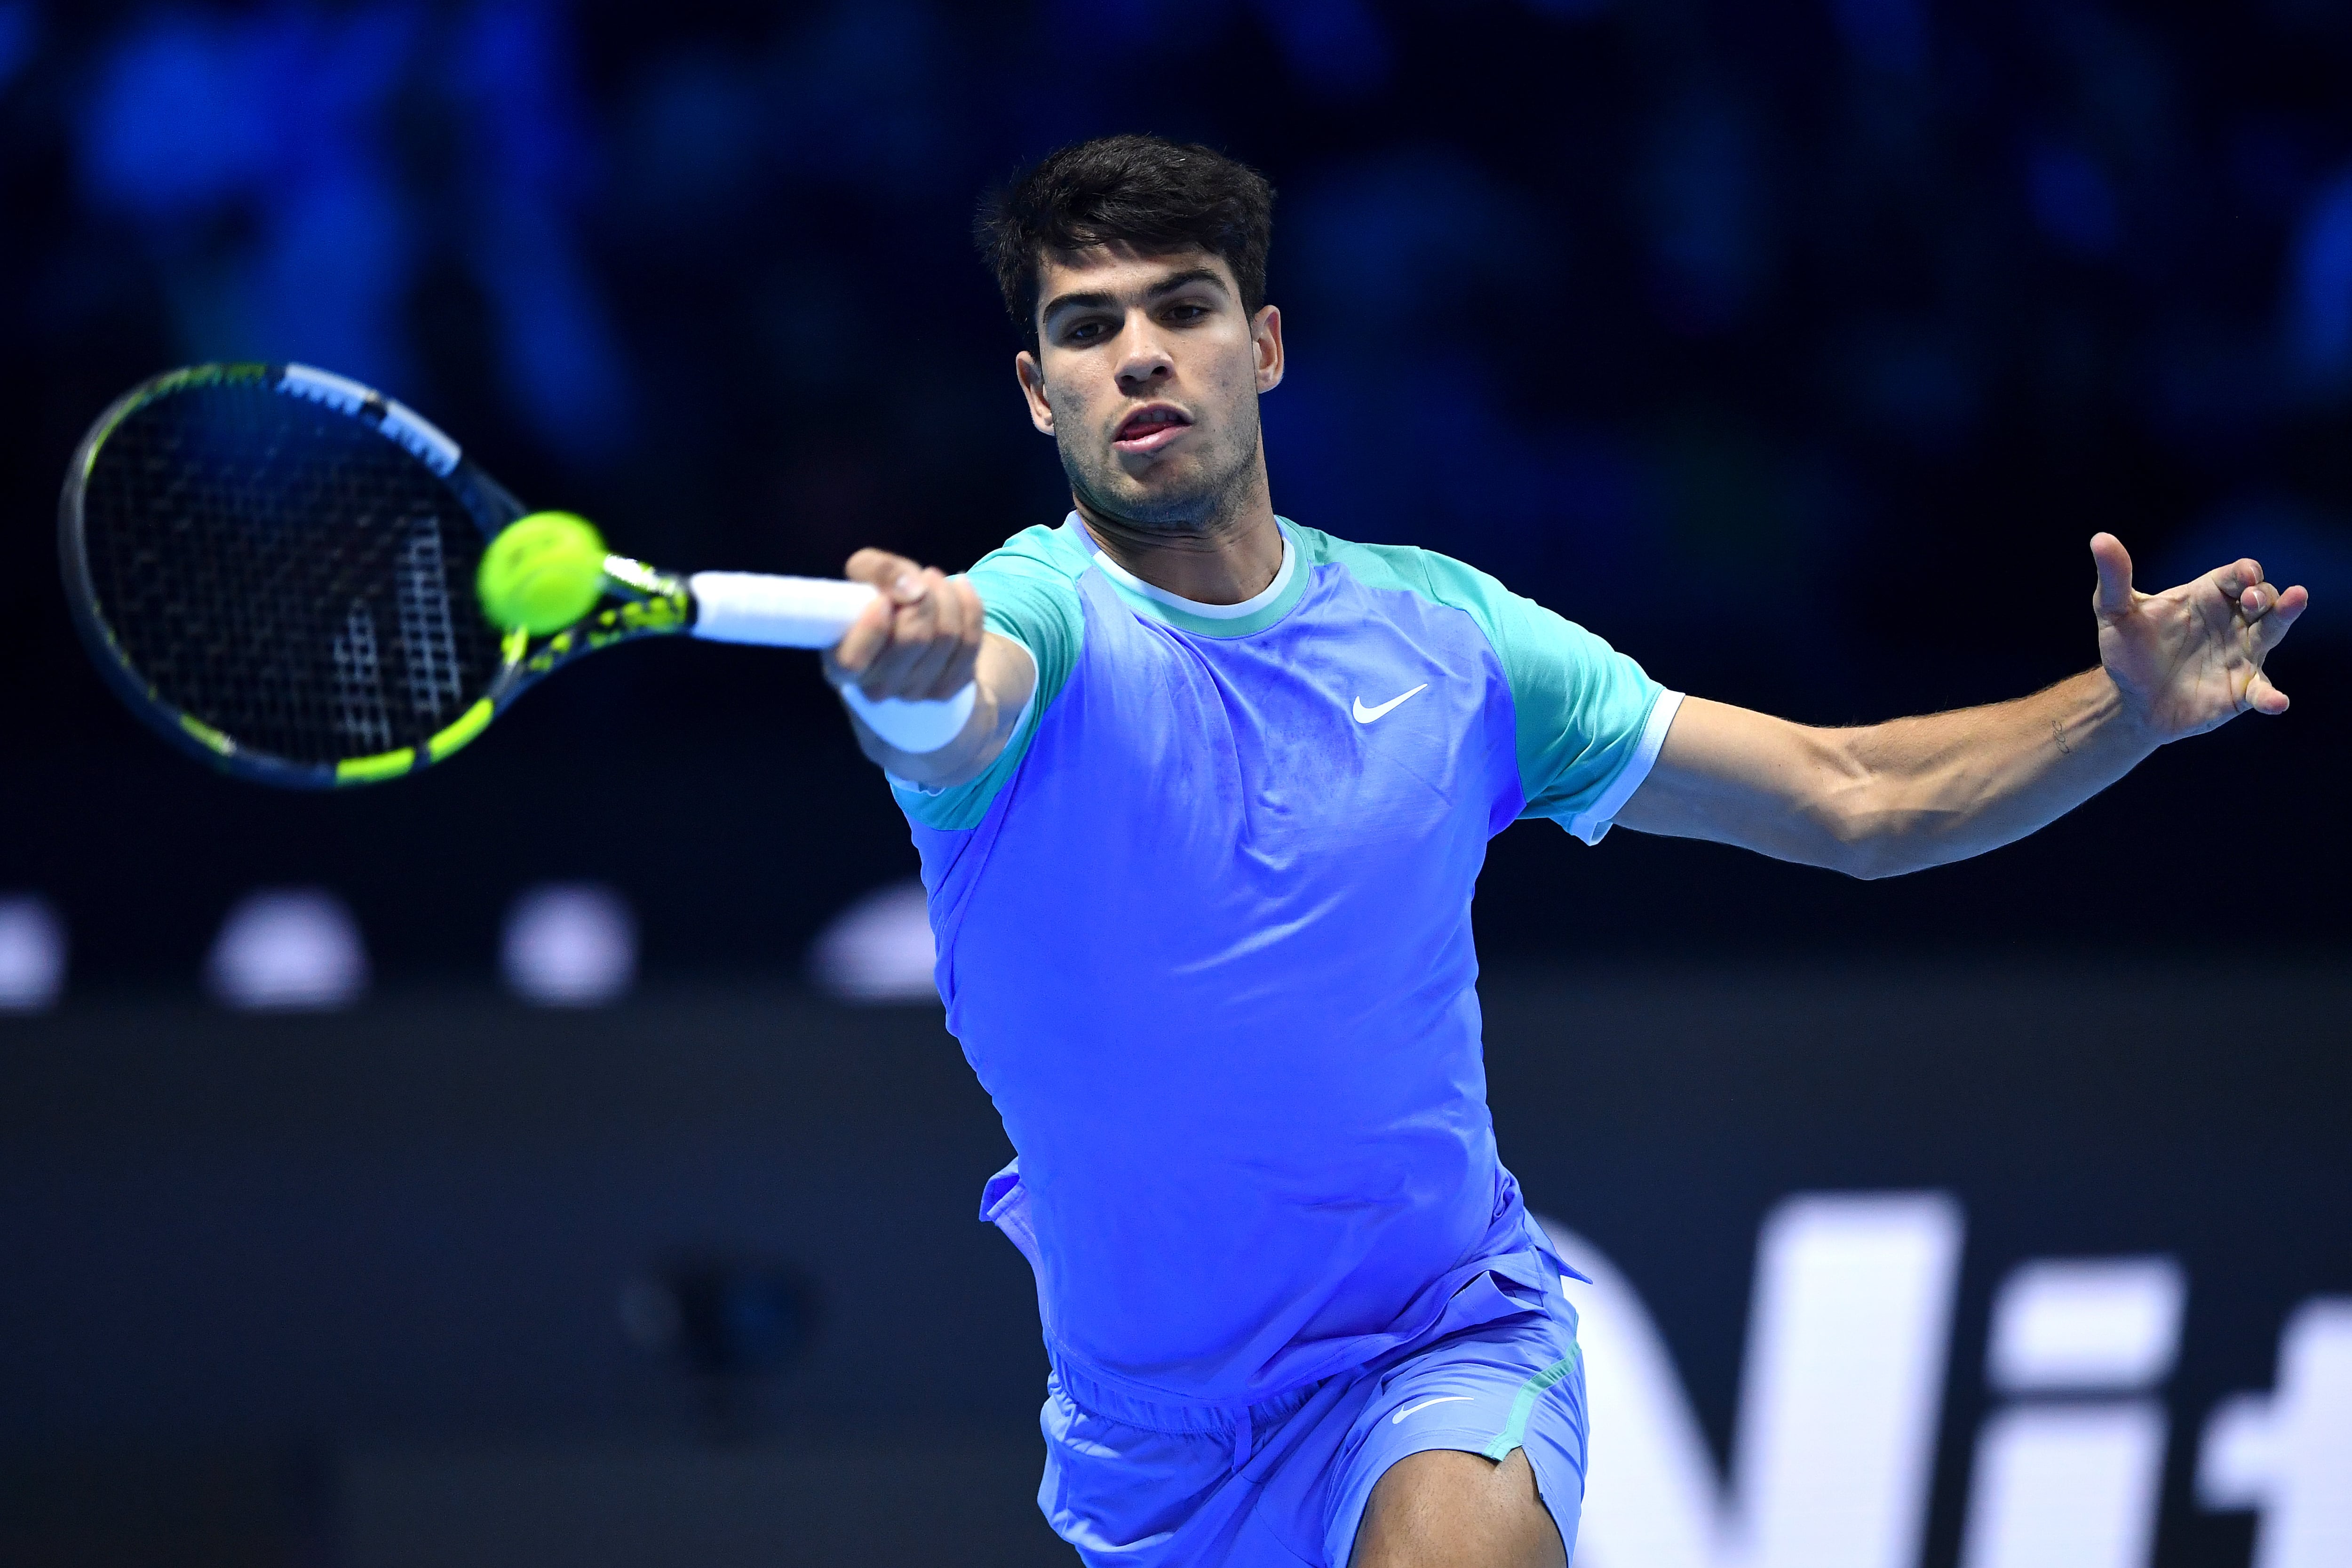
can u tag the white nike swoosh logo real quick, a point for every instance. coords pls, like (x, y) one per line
(1442, 1399)
(1365, 715)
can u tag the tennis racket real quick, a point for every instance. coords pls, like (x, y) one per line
(274, 567)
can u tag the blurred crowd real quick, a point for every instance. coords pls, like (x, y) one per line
(1772, 299)
(1795, 346)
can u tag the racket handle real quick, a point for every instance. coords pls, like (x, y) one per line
(778, 612)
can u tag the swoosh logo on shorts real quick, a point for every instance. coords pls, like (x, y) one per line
(1365, 715)
(1443, 1398)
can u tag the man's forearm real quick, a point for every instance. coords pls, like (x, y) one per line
(1930, 790)
(1882, 799)
(1889, 798)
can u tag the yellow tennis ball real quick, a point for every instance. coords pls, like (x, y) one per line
(542, 572)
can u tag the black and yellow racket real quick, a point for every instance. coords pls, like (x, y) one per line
(293, 577)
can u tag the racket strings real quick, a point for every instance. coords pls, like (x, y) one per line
(285, 575)
(435, 677)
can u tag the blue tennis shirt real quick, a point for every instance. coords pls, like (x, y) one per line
(1204, 932)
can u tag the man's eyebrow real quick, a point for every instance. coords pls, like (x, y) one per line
(1168, 285)
(1175, 281)
(1096, 301)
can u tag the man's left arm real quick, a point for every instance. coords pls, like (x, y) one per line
(1882, 799)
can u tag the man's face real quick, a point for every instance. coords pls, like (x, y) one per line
(1146, 377)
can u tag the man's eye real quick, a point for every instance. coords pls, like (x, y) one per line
(1085, 332)
(1187, 312)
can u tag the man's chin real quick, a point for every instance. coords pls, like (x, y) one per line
(1163, 502)
(1183, 491)
(1162, 518)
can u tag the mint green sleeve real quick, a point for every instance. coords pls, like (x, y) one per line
(1589, 722)
(1026, 594)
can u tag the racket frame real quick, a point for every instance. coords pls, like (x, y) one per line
(642, 600)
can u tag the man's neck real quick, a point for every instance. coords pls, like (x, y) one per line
(1228, 561)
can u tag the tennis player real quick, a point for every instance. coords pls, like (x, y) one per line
(1199, 864)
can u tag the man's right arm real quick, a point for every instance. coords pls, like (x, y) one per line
(922, 641)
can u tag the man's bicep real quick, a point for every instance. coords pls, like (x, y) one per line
(1737, 777)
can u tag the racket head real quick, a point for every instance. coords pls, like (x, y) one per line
(274, 566)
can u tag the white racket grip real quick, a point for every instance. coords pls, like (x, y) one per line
(914, 727)
(777, 612)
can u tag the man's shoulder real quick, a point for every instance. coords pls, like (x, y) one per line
(1043, 551)
(1412, 567)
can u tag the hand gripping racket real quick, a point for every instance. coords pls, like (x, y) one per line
(276, 568)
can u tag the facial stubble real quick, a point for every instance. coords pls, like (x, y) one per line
(1219, 491)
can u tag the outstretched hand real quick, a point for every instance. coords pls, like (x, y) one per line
(920, 640)
(2189, 659)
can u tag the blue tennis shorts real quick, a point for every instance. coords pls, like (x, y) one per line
(1134, 1485)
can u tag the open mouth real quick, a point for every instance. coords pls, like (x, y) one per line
(1150, 428)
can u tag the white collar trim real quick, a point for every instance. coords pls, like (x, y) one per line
(1249, 607)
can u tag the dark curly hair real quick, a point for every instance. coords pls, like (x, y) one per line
(1154, 194)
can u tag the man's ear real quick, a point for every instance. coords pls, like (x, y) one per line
(1032, 376)
(1265, 339)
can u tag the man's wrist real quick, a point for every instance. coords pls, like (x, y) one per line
(917, 726)
(2110, 713)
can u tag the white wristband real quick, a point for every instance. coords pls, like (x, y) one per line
(914, 727)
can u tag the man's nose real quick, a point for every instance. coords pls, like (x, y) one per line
(1143, 359)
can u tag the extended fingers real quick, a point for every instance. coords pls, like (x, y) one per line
(2237, 577)
(2264, 698)
(2271, 611)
